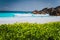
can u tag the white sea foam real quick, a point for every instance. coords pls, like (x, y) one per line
(40, 14)
(31, 15)
(23, 15)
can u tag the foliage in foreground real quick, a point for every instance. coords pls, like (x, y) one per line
(30, 31)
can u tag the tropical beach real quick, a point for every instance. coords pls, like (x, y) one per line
(29, 19)
(43, 16)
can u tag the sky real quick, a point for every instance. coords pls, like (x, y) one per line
(27, 5)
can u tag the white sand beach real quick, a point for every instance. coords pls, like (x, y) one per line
(10, 20)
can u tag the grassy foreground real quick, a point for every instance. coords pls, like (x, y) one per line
(30, 31)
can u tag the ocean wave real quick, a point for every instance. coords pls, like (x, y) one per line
(31, 14)
(23, 14)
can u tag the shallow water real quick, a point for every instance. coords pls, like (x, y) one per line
(22, 15)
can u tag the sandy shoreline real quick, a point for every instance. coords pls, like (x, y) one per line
(10, 20)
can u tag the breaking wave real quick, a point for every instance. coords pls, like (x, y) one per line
(31, 14)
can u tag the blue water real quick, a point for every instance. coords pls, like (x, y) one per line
(21, 15)
(6, 14)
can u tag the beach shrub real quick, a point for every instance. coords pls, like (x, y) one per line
(30, 31)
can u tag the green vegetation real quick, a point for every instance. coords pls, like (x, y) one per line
(30, 31)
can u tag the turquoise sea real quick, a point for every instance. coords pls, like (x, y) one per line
(22, 15)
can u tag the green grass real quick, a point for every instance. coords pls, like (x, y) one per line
(30, 31)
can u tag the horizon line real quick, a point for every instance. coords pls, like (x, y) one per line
(15, 11)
